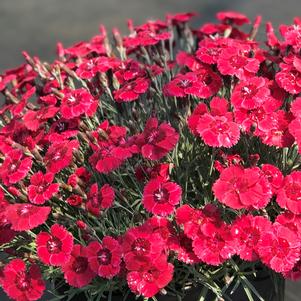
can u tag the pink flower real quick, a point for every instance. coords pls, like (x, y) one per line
(202, 83)
(55, 248)
(15, 167)
(274, 176)
(41, 188)
(289, 195)
(141, 247)
(33, 120)
(215, 246)
(150, 281)
(157, 140)
(250, 94)
(289, 78)
(160, 197)
(279, 248)
(236, 60)
(232, 17)
(100, 199)
(78, 102)
(77, 271)
(132, 90)
(246, 231)
(217, 128)
(25, 217)
(240, 188)
(21, 284)
(105, 258)
(111, 148)
(59, 155)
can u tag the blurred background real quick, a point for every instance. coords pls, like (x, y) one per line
(37, 25)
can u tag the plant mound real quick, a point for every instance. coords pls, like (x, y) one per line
(153, 162)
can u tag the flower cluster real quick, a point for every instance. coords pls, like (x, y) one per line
(166, 158)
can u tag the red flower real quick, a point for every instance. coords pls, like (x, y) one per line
(105, 258)
(161, 197)
(202, 83)
(55, 248)
(295, 129)
(145, 38)
(141, 247)
(161, 226)
(78, 102)
(193, 119)
(289, 78)
(34, 119)
(131, 90)
(232, 17)
(15, 167)
(182, 246)
(149, 282)
(250, 94)
(100, 199)
(157, 140)
(209, 51)
(241, 188)
(41, 188)
(278, 133)
(25, 217)
(296, 107)
(158, 171)
(295, 273)
(197, 221)
(291, 221)
(246, 231)
(236, 60)
(289, 195)
(111, 148)
(21, 284)
(59, 155)
(181, 17)
(77, 271)
(274, 176)
(218, 129)
(291, 35)
(74, 200)
(279, 248)
(89, 68)
(215, 246)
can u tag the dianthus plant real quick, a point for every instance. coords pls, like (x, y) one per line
(153, 163)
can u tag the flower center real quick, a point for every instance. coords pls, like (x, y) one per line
(61, 127)
(57, 156)
(71, 99)
(248, 91)
(153, 135)
(104, 256)
(141, 246)
(238, 61)
(148, 277)
(185, 83)
(22, 281)
(206, 79)
(220, 126)
(54, 245)
(80, 265)
(161, 195)
(24, 210)
(293, 191)
(14, 166)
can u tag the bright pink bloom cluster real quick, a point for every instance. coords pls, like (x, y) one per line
(123, 163)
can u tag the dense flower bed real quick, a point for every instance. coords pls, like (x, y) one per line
(160, 160)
